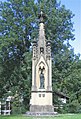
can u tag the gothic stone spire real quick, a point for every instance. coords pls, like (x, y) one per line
(41, 94)
(41, 38)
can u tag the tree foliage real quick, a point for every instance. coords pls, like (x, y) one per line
(18, 27)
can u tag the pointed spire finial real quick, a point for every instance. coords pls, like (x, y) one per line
(41, 16)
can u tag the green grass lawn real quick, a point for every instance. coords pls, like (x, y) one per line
(60, 116)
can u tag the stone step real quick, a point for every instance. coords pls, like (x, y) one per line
(41, 113)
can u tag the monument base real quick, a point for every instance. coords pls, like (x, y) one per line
(41, 114)
(41, 108)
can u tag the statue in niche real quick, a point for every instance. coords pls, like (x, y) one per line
(42, 79)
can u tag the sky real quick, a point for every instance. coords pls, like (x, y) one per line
(75, 7)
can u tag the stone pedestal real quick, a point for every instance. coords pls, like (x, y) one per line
(41, 101)
(42, 108)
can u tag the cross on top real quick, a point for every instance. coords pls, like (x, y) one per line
(41, 17)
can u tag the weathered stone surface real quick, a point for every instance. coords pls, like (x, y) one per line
(41, 114)
(41, 108)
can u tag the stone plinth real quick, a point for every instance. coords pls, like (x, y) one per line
(41, 108)
(41, 114)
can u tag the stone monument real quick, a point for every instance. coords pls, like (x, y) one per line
(41, 94)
